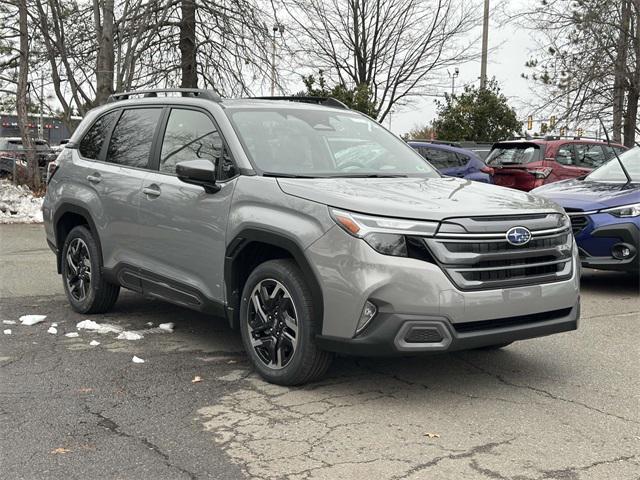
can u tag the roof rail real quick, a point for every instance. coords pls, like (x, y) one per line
(185, 92)
(326, 101)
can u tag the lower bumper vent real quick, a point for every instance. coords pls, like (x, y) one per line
(423, 335)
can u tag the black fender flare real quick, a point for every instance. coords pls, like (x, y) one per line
(63, 209)
(277, 239)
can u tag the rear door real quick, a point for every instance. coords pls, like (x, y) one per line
(114, 172)
(182, 227)
(445, 162)
(589, 157)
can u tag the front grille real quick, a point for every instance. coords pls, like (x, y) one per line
(466, 327)
(481, 258)
(578, 223)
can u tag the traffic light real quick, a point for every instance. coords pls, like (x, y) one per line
(580, 132)
(563, 131)
(552, 122)
(530, 122)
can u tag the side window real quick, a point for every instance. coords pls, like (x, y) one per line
(191, 135)
(462, 160)
(132, 138)
(589, 155)
(438, 158)
(608, 152)
(566, 155)
(91, 143)
(620, 150)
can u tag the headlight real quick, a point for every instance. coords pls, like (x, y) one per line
(383, 234)
(632, 210)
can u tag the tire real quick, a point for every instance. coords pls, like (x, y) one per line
(497, 346)
(281, 292)
(86, 288)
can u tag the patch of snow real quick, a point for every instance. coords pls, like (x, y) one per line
(167, 326)
(9, 322)
(32, 319)
(129, 336)
(18, 205)
(98, 327)
(72, 334)
(150, 324)
(52, 330)
(94, 343)
(7, 331)
(54, 324)
(137, 359)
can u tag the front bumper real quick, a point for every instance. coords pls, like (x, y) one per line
(388, 337)
(602, 232)
(408, 290)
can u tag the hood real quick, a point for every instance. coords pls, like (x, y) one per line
(585, 195)
(416, 198)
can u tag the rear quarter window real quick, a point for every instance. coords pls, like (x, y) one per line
(92, 142)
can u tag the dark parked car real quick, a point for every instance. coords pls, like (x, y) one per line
(12, 155)
(454, 161)
(528, 164)
(604, 208)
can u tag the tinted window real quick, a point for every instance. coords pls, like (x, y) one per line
(440, 158)
(92, 142)
(189, 135)
(566, 155)
(589, 155)
(514, 154)
(133, 136)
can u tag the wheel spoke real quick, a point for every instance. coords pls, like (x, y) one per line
(291, 323)
(258, 308)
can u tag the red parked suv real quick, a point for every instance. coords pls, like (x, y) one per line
(528, 164)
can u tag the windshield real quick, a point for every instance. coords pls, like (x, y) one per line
(513, 154)
(612, 172)
(323, 143)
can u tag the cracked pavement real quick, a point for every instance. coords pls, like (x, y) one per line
(560, 407)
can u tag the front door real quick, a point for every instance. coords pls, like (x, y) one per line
(182, 227)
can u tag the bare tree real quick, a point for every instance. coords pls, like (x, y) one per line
(188, 47)
(399, 48)
(22, 101)
(103, 17)
(587, 63)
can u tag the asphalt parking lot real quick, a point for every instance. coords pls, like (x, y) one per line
(561, 407)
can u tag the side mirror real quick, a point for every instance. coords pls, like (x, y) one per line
(198, 172)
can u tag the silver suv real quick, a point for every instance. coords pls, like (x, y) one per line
(306, 225)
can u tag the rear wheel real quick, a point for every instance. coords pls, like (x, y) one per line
(276, 322)
(84, 284)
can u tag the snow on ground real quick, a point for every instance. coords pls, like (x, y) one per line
(18, 205)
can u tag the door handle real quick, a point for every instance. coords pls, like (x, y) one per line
(94, 178)
(152, 192)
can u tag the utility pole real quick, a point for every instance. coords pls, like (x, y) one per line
(41, 132)
(278, 27)
(485, 46)
(453, 77)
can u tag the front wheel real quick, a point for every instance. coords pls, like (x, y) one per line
(86, 288)
(276, 322)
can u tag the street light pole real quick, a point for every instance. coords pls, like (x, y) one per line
(485, 46)
(453, 77)
(278, 27)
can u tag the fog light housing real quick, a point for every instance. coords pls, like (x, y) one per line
(368, 312)
(622, 251)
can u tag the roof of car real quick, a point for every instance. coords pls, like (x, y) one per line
(444, 147)
(556, 141)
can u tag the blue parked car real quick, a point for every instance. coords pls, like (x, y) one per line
(453, 161)
(604, 208)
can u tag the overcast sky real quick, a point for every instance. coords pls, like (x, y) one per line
(512, 48)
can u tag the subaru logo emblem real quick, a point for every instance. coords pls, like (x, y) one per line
(518, 236)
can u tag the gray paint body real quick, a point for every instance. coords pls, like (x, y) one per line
(183, 233)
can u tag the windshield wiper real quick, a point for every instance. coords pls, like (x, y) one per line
(287, 175)
(370, 175)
